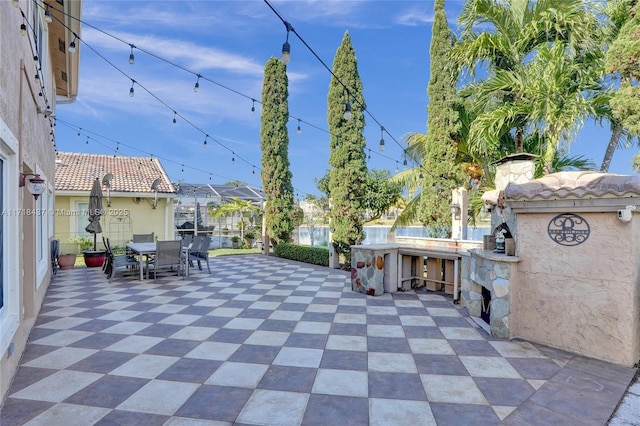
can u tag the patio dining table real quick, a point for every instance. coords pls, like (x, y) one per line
(147, 249)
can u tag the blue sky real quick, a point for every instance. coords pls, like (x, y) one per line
(229, 42)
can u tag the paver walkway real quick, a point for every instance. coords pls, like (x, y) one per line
(266, 341)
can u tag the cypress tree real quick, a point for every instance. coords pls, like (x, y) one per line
(347, 176)
(438, 161)
(274, 143)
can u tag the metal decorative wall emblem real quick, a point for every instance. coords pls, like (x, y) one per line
(568, 229)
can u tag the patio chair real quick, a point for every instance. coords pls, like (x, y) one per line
(55, 252)
(168, 254)
(143, 238)
(115, 261)
(200, 252)
(186, 240)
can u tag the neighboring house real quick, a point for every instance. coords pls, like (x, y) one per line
(138, 197)
(192, 197)
(36, 71)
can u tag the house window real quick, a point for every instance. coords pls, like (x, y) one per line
(83, 219)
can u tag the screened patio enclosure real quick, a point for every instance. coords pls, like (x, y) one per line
(195, 206)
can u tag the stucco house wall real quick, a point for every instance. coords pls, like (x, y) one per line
(27, 146)
(584, 298)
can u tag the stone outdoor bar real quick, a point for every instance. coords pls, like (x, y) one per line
(574, 281)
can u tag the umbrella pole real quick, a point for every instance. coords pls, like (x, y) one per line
(95, 243)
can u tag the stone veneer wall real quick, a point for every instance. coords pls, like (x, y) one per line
(495, 273)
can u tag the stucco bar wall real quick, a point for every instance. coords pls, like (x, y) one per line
(583, 298)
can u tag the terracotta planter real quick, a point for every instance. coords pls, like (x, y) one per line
(94, 259)
(66, 261)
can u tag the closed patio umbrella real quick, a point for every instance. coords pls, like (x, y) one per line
(96, 210)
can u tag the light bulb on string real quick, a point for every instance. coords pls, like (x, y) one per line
(87, 141)
(369, 156)
(23, 29)
(299, 130)
(47, 14)
(132, 58)
(182, 168)
(347, 111)
(404, 163)
(253, 172)
(174, 117)
(196, 87)
(253, 105)
(381, 138)
(72, 45)
(205, 139)
(132, 90)
(79, 130)
(286, 47)
(396, 167)
(233, 157)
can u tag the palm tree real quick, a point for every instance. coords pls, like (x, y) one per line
(516, 37)
(236, 206)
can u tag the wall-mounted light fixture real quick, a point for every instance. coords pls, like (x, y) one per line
(35, 185)
(455, 210)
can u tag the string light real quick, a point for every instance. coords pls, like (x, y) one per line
(205, 139)
(253, 105)
(286, 48)
(369, 156)
(132, 90)
(299, 129)
(47, 14)
(396, 167)
(381, 138)
(197, 85)
(233, 157)
(87, 141)
(23, 29)
(132, 58)
(174, 117)
(72, 45)
(347, 111)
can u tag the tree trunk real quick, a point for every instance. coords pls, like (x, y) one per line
(519, 139)
(611, 148)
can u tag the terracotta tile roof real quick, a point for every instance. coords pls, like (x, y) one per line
(583, 184)
(76, 171)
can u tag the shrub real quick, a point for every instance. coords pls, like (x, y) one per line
(307, 254)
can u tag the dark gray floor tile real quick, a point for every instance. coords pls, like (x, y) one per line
(349, 329)
(532, 414)
(26, 376)
(509, 392)
(95, 325)
(172, 347)
(102, 362)
(348, 309)
(33, 351)
(449, 365)
(396, 386)
(107, 392)
(464, 414)
(98, 341)
(230, 335)
(93, 312)
(190, 370)
(286, 378)
(336, 410)
(414, 312)
(388, 344)
(39, 333)
(602, 369)
(159, 330)
(257, 354)
(317, 317)
(383, 319)
(215, 403)
(118, 417)
(20, 411)
(473, 347)
(278, 325)
(535, 368)
(150, 317)
(451, 321)
(344, 360)
(211, 321)
(419, 332)
(306, 340)
(295, 307)
(255, 313)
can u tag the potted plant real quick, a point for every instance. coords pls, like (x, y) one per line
(225, 231)
(250, 237)
(67, 260)
(92, 258)
(235, 240)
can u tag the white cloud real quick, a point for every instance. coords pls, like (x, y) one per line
(414, 17)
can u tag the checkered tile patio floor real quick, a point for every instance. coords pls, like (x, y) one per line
(266, 341)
